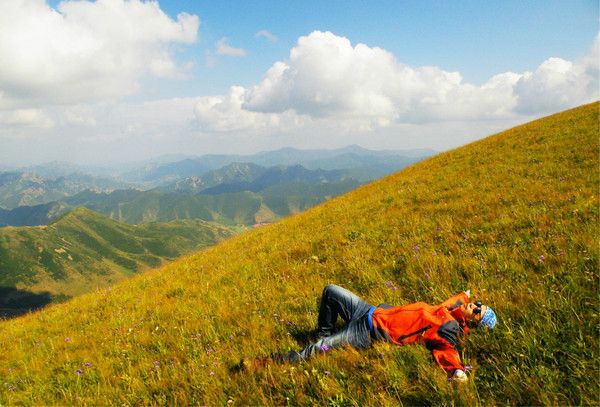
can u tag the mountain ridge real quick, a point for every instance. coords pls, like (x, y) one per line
(311, 159)
(240, 193)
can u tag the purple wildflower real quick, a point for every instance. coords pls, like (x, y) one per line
(541, 259)
(324, 348)
(416, 247)
(12, 388)
(79, 371)
(88, 364)
(288, 323)
(381, 354)
(327, 373)
(389, 283)
(209, 351)
(211, 374)
(156, 364)
(468, 368)
(426, 275)
(394, 288)
(67, 339)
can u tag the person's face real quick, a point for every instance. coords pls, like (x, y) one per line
(468, 311)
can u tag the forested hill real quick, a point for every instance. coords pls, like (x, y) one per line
(84, 251)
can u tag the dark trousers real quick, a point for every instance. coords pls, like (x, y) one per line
(337, 301)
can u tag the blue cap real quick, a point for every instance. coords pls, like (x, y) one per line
(489, 318)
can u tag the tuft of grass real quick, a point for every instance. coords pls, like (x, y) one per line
(513, 217)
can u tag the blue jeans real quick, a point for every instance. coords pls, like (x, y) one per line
(337, 301)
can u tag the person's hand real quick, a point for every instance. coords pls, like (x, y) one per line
(468, 292)
(459, 376)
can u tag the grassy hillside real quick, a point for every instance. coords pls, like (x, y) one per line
(513, 217)
(84, 250)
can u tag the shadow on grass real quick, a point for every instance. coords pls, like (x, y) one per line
(303, 337)
(15, 302)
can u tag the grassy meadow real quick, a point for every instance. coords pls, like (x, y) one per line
(513, 217)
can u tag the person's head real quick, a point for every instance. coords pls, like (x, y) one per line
(479, 314)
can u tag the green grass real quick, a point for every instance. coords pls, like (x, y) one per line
(513, 217)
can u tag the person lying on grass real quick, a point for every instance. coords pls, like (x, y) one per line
(436, 326)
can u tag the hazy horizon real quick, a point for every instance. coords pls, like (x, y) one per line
(170, 158)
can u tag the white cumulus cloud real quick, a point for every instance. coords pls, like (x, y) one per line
(558, 84)
(84, 51)
(223, 48)
(326, 76)
(225, 113)
(328, 80)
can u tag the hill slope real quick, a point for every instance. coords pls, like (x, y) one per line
(514, 217)
(83, 251)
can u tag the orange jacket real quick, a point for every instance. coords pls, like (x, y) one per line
(438, 326)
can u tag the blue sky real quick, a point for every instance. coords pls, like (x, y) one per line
(242, 76)
(477, 38)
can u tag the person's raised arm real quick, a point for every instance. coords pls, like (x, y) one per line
(457, 300)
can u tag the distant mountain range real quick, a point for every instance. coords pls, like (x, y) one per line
(55, 181)
(238, 177)
(365, 164)
(228, 203)
(26, 189)
(239, 193)
(84, 250)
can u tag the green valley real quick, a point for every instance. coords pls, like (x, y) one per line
(83, 251)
